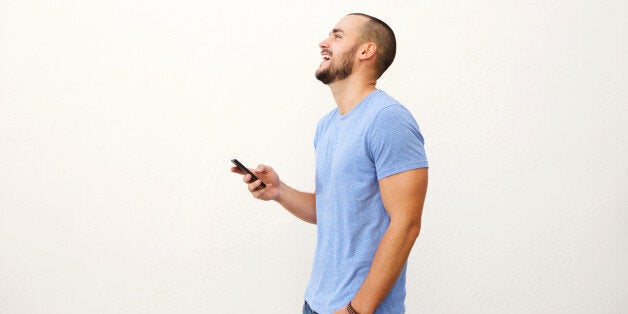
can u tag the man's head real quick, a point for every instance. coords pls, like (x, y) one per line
(356, 37)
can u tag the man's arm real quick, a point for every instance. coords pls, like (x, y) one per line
(403, 195)
(300, 204)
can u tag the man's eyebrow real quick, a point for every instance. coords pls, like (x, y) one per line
(337, 30)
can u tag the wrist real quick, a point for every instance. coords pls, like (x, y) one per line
(359, 307)
(350, 309)
(278, 198)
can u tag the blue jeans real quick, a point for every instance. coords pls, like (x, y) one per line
(307, 309)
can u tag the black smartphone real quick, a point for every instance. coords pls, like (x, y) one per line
(246, 170)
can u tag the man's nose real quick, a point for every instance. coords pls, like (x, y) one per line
(323, 44)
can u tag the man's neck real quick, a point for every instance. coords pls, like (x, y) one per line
(349, 92)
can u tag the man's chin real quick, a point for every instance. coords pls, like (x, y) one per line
(323, 77)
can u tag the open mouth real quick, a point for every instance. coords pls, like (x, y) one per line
(326, 55)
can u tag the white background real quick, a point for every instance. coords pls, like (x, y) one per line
(118, 120)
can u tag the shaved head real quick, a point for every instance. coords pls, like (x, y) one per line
(376, 31)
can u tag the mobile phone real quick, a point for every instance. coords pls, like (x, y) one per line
(246, 170)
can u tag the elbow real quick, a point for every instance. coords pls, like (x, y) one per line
(413, 230)
(408, 229)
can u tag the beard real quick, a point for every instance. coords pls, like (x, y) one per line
(340, 70)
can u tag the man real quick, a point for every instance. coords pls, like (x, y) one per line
(371, 178)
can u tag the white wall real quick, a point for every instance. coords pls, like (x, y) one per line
(118, 120)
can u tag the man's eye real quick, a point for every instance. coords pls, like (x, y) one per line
(337, 36)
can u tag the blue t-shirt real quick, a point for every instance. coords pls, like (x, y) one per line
(376, 139)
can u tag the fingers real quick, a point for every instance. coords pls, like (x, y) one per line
(245, 177)
(259, 191)
(255, 185)
(236, 170)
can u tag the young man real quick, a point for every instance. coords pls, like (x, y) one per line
(371, 178)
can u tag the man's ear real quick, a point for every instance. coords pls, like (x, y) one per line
(367, 51)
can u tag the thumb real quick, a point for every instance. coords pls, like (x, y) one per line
(262, 169)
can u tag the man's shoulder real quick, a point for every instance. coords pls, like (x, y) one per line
(382, 102)
(387, 109)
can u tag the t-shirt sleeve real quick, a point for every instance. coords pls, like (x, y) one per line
(396, 143)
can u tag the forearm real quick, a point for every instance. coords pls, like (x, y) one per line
(300, 204)
(390, 258)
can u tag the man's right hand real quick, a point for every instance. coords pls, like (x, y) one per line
(300, 204)
(267, 175)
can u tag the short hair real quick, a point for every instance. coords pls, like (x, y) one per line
(382, 35)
